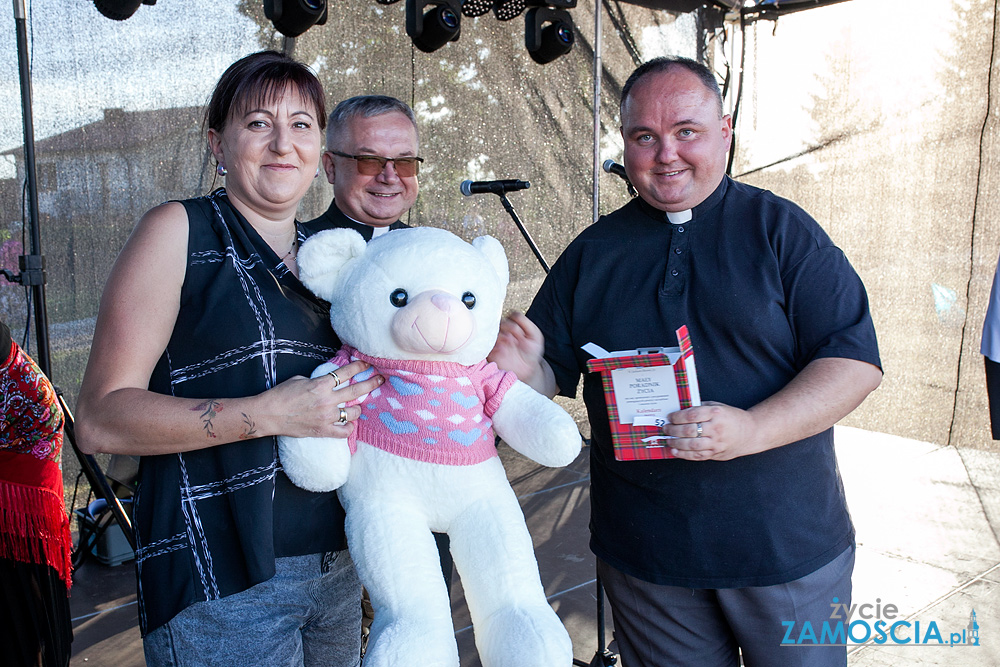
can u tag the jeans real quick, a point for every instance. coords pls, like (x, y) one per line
(301, 617)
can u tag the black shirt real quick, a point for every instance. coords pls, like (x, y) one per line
(763, 292)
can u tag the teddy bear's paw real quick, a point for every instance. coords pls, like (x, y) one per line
(412, 642)
(524, 637)
(315, 464)
(536, 427)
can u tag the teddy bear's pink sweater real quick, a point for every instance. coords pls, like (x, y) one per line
(433, 411)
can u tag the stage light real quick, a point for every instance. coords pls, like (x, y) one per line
(119, 10)
(548, 33)
(505, 10)
(431, 30)
(474, 8)
(293, 17)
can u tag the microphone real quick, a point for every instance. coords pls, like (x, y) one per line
(496, 187)
(613, 167)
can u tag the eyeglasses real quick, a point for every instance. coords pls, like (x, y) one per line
(373, 165)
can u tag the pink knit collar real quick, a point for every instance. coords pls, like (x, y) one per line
(419, 366)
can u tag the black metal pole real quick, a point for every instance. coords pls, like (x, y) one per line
(524, 232)
(32, 264)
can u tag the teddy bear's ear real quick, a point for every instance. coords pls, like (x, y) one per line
(494, 252)
(323, 257)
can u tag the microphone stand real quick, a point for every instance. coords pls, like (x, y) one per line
(604, 657)
(32, 275)
(32, 266)
(524, 232)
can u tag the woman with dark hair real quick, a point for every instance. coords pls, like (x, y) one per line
(203, 339)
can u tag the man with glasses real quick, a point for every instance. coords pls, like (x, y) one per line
(371, 160)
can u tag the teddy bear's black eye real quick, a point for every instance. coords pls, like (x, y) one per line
(398, 297)
(469, 299)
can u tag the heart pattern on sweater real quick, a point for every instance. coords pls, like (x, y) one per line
(466, 438)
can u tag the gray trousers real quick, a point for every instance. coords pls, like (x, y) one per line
(668, 626)
(301, 617)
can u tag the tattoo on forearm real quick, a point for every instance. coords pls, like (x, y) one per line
(249, 427)
(208, 409)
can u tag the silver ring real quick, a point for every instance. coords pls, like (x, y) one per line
(336, 378)
(700, 430)
(343, 417)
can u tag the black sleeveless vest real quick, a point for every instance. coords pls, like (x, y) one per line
(211, 522)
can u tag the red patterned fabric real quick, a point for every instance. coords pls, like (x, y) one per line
(626, 438)
(34, 527)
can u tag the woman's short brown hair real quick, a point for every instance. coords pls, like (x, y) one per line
(258, 79)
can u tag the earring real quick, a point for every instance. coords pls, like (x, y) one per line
(317, 173)
(220, 170)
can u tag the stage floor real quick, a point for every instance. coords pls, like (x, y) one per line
(924, 544)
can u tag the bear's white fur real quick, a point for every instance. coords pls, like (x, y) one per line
(394, 503)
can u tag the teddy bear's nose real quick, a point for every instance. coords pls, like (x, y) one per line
(444, 301)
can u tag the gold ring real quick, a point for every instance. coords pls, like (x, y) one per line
(343, 417)
(700, 431)
(336, 378)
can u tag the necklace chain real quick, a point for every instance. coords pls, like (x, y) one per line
(291, 249)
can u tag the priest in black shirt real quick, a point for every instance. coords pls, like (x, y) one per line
(739, 543)
(371, 161)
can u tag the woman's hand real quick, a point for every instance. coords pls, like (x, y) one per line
(301, 407)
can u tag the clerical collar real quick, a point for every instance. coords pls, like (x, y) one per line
(678, 217)
(367, 231)
(691, 214)
(376, 231)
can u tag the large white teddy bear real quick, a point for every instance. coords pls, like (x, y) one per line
(423, 308)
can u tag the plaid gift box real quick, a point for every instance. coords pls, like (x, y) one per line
(628, 440)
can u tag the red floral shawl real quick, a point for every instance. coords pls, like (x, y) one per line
(34, 527)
